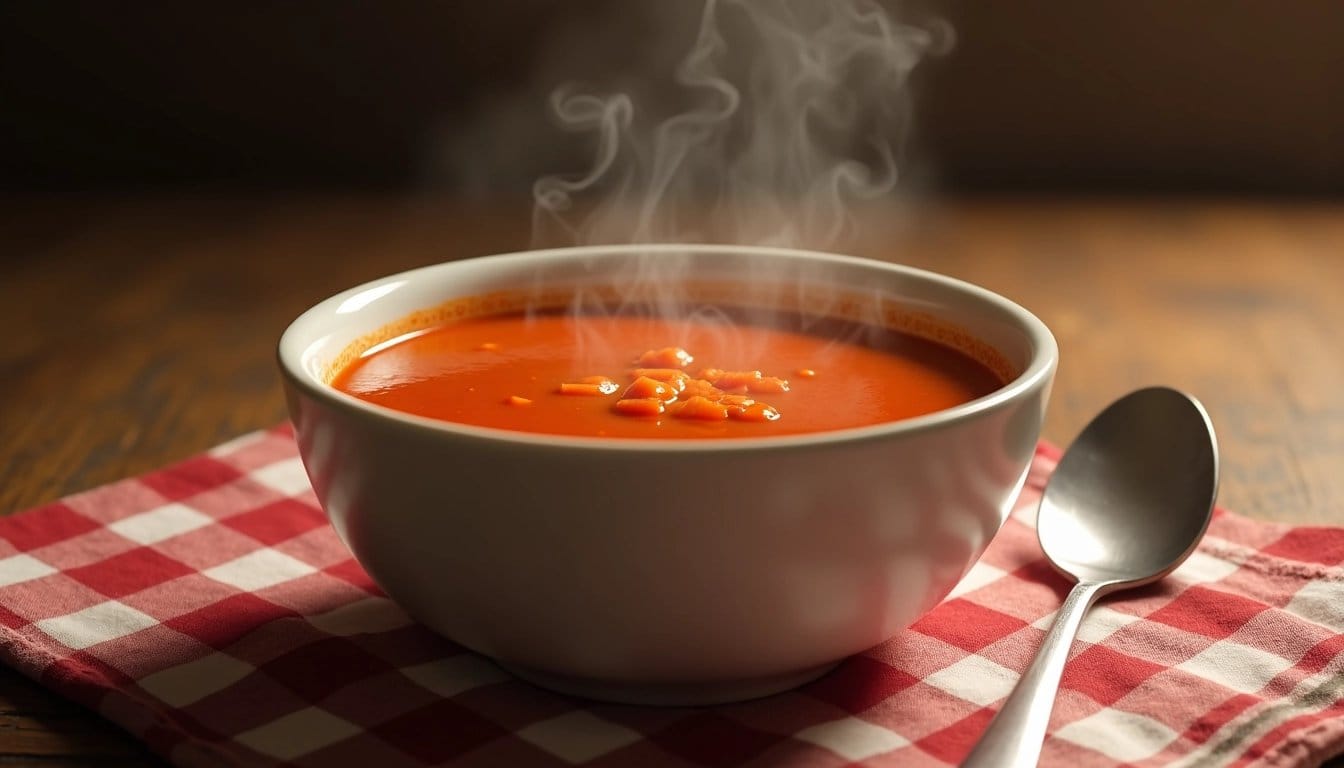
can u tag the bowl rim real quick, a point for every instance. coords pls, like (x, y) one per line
(1038, 372)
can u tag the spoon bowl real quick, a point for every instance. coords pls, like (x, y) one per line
(1132, 496)
(1126, 505)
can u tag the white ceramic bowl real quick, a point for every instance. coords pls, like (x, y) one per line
(528, 548)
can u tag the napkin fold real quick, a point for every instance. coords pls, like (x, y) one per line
(210, 610)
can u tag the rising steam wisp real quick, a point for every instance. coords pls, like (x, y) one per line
(787, 112)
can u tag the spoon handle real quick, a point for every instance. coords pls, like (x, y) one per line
(1014, 737)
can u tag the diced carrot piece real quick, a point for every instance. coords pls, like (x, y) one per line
(588, 388)
(711, 374)
(701, 388)
(805, 373)
(702, 408)
(736, 380)
(640, 406)
(644, 387)
(667, 357)
(671, 376)
(516, 400)
(768, 384)
(736, 404)
(756, 412)
(488, 346)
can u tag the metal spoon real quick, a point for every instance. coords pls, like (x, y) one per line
(1128, 502)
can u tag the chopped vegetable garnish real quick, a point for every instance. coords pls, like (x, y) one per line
(604, 387)
(768, 385)
(667, 357)
(756, 412)
(702, 408)
(715, 395)
(640, 406)
(735, 380)
(645, 387)
(702, 388)
(673, 376)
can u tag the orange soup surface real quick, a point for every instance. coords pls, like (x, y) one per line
(645, 377)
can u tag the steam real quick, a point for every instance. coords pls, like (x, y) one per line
(788, 113)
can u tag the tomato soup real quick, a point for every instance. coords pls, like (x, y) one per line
(630, 376)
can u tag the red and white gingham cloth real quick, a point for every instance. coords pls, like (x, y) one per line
(210, 610)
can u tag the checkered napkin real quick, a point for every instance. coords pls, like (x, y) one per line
(209, 609)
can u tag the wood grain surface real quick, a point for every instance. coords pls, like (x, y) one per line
(140, 331)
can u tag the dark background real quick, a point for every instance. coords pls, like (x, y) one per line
(1197, 96)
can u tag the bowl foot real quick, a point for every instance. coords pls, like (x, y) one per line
(668, 694)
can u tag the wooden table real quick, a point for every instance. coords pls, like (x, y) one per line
(140, 331)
